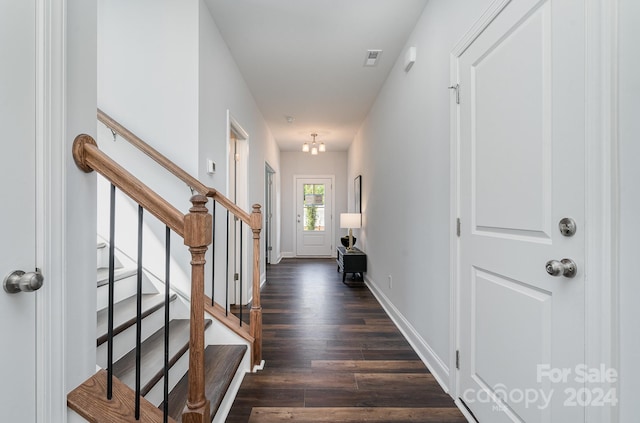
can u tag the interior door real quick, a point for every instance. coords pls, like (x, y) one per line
(234, 223)
(268, 213)
(522, 170)
(314, 217)
(17, 215)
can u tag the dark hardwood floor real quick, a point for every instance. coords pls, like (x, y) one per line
(333, 355)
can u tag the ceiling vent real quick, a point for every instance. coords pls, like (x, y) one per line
(372, 57)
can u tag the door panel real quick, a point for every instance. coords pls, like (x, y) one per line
(17, 215)
(511, 134)
(521, 112)
(314, 217)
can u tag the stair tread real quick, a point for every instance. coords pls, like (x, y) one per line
(221, 365)
(90, 401)
(152, 356)
(118, 274)
(124, 314)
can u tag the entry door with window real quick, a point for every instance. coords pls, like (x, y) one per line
(18, 217)
(522, 170)
(314, 217)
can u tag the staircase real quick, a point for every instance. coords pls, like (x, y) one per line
(159, 347)
(222, 362)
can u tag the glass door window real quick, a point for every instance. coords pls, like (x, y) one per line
(314, 207)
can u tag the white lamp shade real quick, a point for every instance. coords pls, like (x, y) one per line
(322, 147)
(305, 147)
(350, 220)
(314, 150)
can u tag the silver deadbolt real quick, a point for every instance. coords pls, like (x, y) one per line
(565, 267)
(19, 281)
(567, 226)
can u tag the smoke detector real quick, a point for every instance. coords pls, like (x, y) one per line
(372, 57)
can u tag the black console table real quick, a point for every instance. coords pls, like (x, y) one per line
(354, 261)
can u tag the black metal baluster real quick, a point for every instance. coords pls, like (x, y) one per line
(213, 255)
(166, 321)
(112, 238)
(139, 312)
(226, 307)
(240, 271)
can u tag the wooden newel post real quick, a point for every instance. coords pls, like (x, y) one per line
(197, 236)
(256, 307)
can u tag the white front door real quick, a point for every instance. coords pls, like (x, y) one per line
(522, 169)
(17, 214)
(314, 217)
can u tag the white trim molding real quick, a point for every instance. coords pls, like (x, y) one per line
(437, 366)
(51, 157)
(602, 198)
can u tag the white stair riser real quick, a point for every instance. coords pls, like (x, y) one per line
(122, 290)
(126, 341)
(156, 395)
(103, 258)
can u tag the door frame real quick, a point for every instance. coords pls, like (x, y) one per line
(52, 157)
(241, 179)
(601, 190)
(295, 210)
(269, 176)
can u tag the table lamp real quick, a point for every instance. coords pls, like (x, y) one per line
(350, 221)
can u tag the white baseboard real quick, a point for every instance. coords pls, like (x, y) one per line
(287, 254)
(263, 279)
(464, 411)
(438, 368)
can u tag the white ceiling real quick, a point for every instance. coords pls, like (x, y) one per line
(304, 58)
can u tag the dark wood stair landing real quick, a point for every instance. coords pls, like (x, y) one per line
(333, 355)
(221, 364)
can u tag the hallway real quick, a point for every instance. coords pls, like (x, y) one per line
(328, 348)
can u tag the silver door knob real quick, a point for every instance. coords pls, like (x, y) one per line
(20, 281)
(565, 267)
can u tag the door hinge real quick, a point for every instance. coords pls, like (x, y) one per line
(457, 359)
(236, 276)
(458, 227)
(457, 88)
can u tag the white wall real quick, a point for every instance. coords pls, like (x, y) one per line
(402, 152)
(298, 163)
(79, 198)
(167, 75)
(148, 81)
(80, 195)
(629, 131)
(222, 88)
(148, 72)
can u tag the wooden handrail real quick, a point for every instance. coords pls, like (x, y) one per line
(177, 171)
(88, 157)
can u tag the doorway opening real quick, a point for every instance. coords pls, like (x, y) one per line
(269, 176)
(237, 191)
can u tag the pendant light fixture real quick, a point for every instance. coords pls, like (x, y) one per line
(314, 148)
